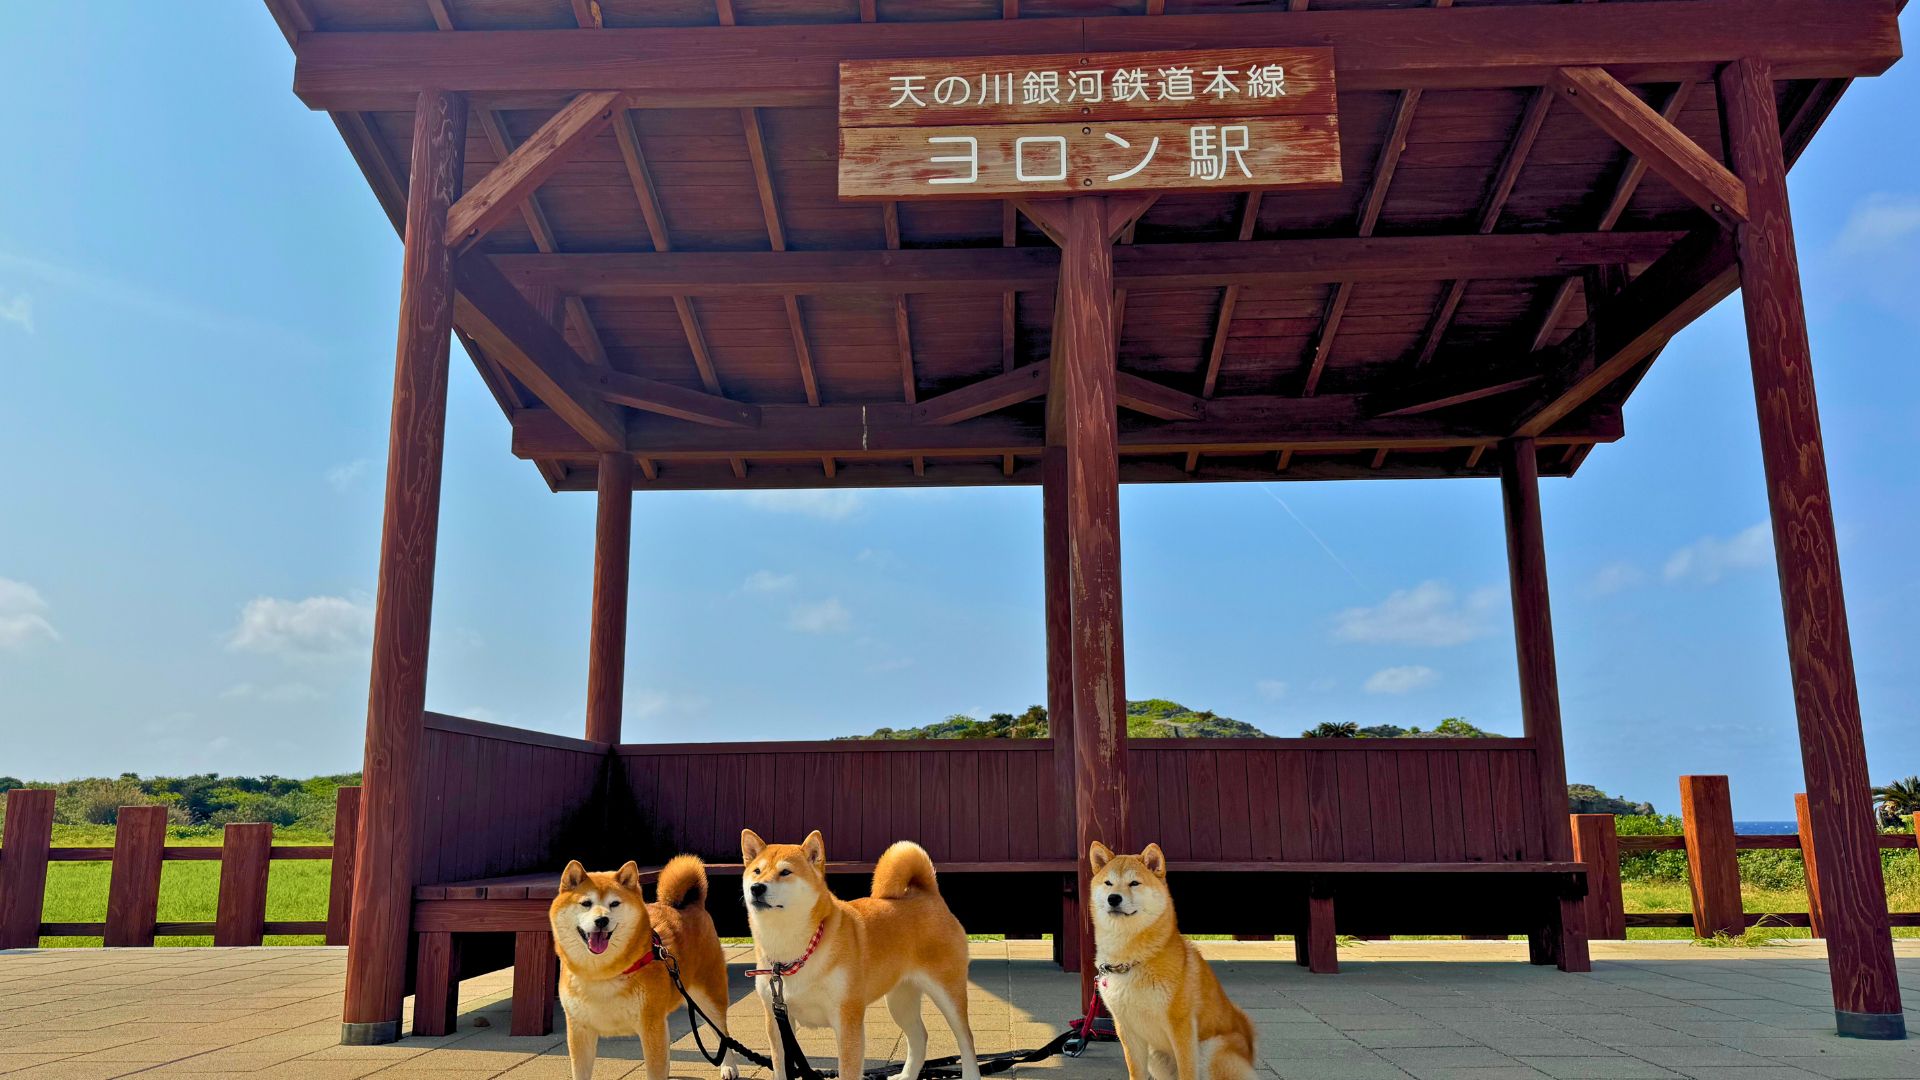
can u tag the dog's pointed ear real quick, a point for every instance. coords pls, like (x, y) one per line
(1155, 859)
(629, 876)
(572, 877)
(816, 850)
(1098, 856)
(750, 846)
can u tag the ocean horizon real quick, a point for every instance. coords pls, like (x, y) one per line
(1766, 828)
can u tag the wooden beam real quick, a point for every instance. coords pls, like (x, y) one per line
(987, 395)
(976, 271)
(1677, 289)
(1533, 639)
(403, 605)
(523, 341)
(666, 399)
(1631, 174)
(1532, 118)
(502, 191)
(1491, 47)
(894, 432)
(1666, 149)
(1153, 399)
(607, 641)
(1866, 986)
(1229, 299)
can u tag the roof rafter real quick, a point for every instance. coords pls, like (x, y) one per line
(509, 184)
(1666, 149)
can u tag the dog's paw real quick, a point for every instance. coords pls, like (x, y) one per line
(729, 1072)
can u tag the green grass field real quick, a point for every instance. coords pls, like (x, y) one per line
(297, 890)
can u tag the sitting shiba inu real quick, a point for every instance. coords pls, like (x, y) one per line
(612, 979)
(1173, 1019)
(836, 957)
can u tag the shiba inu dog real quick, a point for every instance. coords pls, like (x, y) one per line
(613, 981)
(1174, 1020)
(836, 957)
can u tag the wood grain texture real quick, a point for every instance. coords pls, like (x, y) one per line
(436, 983)
(870, 96)
(1596, 844)
(1651, 138)
(607, 639)
(1057, 586)
(1819, 653)
(536, 973)
(1494, 47)
(246, 851)
(385, 862)
(504, 190)
(346, 839)
(1533, 637)
(133, 894)
(23, 868)
(1803, 819)
(1713, 874)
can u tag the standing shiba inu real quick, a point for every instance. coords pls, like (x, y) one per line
(612, 982)
(836, 957)
(1173, 1018)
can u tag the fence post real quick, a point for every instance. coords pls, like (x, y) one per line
(1816, 919)
(23, 866)
(346, 832)
(1596, 844)
(133, 895)
(245, 854)
(1713, 870)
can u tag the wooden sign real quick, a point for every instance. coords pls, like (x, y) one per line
(990, 127)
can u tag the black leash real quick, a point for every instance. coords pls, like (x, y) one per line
(1070, 1041)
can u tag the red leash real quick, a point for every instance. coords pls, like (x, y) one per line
(784, 970)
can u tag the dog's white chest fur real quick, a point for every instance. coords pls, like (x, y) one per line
(601, 1005)
(1133, 994)
(813, 998)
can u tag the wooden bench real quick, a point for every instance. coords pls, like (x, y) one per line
(470, 927)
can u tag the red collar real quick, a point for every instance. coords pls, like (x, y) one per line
(656, 952)
(784, 970)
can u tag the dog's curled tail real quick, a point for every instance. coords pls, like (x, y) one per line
(903, 866)
(683, 882)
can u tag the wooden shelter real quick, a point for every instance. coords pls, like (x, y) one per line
(627, 212)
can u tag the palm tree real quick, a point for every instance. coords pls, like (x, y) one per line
(1898, 799)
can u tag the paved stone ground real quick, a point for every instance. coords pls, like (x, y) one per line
(1428, 1010)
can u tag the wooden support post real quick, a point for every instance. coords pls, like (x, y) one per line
(1713, 870)
(1323, 946)
(436, 983)
(1060, 728)
(1081, 413)
(133, 894)
(1816, 919)
(346, 836)
(1596, 843)
(1846, 846)
(396, 701)
(612, 549)
(23, 866)
(536, 974)
(246, 853)
(1533, 638)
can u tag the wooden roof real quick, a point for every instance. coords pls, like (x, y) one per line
(1396, 326)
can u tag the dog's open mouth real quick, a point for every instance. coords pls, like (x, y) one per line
(597, 941)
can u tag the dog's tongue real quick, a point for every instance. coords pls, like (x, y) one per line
(597, 941)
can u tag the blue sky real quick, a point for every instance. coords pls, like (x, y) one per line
(196, 331)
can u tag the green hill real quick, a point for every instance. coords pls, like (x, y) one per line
(1152, 719)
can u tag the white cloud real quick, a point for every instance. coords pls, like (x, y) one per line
(829, 616)
(317, 628)
(1711, 558)
(342, 476)
(766, 581)
(822, 504)
(23, 615)
(1428, 614)
(1617, 577)
(1879, 222)
(645, 704)
(17, 309)
(1271, 689)
(1401, 680)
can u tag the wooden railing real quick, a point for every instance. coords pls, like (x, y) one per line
(139, 850)
(1713, 869)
